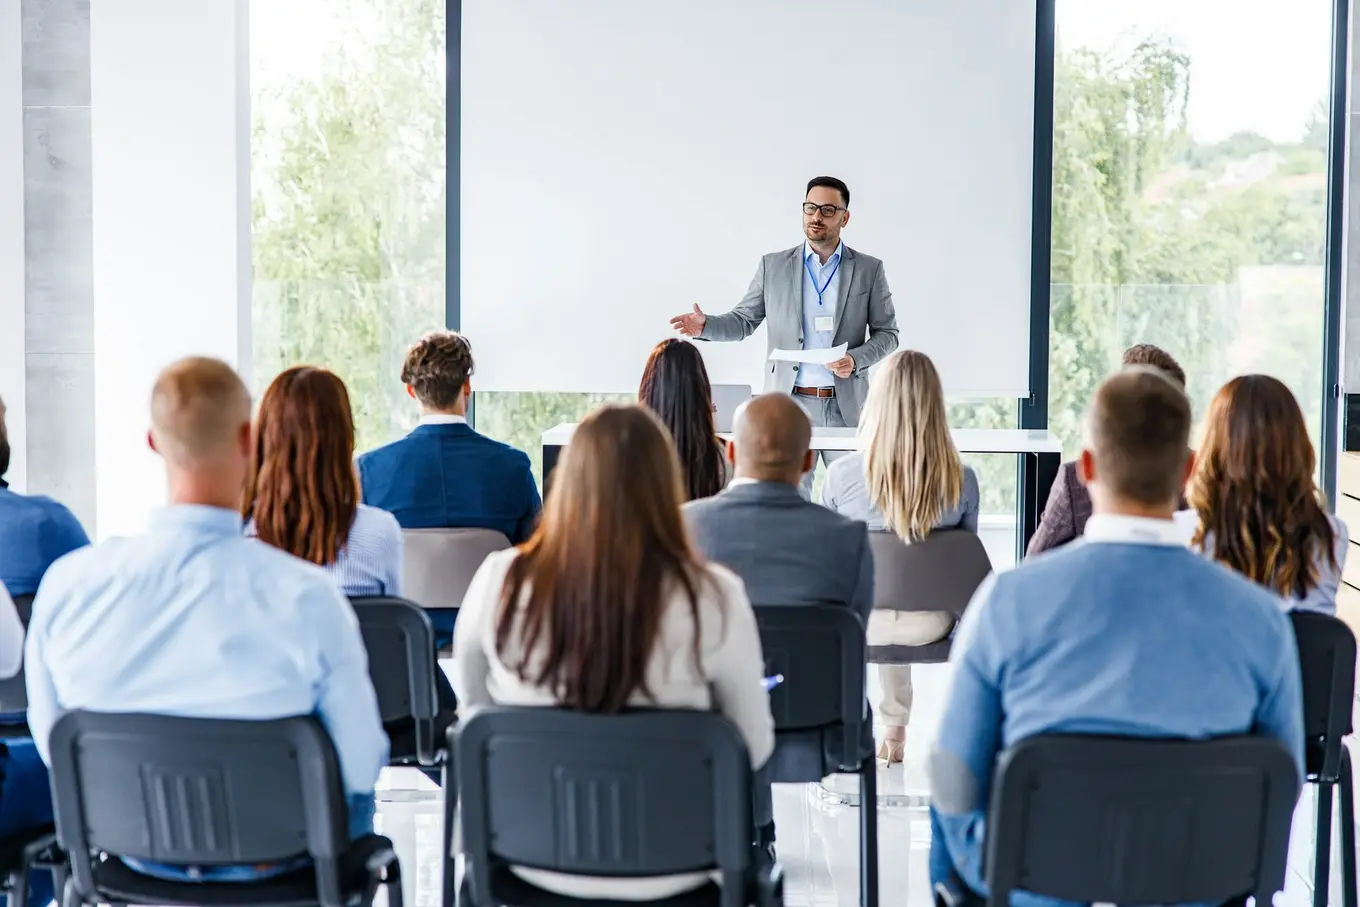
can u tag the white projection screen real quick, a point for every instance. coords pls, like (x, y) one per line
(622, 160)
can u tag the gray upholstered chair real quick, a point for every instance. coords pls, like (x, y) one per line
(939, 573)
(438, 564)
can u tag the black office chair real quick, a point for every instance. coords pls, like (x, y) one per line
(1138, 821)
(820, 710)
(13, 691)
(639, 794)
(25, 851)
(402, 666)
(1327, 656)
(201, 792)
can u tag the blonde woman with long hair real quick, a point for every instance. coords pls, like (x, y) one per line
(907, 479)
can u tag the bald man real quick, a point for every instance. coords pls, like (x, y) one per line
(787, 550)
(193, 620)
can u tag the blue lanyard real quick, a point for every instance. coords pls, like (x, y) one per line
(807, 263)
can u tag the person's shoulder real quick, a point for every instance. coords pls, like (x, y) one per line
(848, 468)
(385, 452)
(87, 561)
(862, 258)
(489, 446)
(724, 583)
(970, 477)
(375, 523)
(1340, 532)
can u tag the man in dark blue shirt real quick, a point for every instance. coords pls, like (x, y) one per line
(34, 530)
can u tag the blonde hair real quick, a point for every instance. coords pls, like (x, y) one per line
(197, 409)
(911, 467)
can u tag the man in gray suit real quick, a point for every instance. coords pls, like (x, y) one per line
(788, 551)
(817, 295)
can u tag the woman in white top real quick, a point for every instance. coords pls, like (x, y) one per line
(909, 480)
(1255, 506)
(607, 606)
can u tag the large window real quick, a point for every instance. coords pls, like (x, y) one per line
(1189, 194)
(349, 193)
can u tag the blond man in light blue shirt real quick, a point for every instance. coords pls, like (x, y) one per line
(194, 620)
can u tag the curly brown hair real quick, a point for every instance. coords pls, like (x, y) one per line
(302, 491)
(437, 367)
(1155, 356)
(1259, 507)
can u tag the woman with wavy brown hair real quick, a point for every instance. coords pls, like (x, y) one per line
(1256, 507)
(302, 494)
(607, 606)
(675, 386)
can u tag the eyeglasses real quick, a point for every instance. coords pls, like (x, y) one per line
(827, 210)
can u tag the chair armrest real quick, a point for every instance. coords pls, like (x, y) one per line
(770, 886)
(955, 894)
(372, 855)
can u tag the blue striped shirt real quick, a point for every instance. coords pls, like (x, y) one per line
(370, 562)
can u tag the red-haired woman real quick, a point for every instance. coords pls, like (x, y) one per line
(302, 495)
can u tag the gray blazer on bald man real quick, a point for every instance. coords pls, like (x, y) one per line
(864, 320)
(764, 532)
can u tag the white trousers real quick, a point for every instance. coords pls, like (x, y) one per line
(902, 628)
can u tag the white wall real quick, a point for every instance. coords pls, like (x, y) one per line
(12, 329)
(624, 160)
(171, 144)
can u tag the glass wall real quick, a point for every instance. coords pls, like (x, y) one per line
(1189, 194)
(348, 184)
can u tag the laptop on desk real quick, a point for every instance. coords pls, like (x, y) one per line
(726, 399)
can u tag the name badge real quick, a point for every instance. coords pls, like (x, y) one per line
(823, 323)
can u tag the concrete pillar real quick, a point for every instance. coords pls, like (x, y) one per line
(12, 235)
(58, 330)
(171, 176)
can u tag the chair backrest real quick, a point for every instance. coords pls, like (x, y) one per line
(13, 692)
(401, 664)
(638, 794)
(1327, 657)
(1138, 821)
(438, 564)
(820, 651)
(196, 791)
(939, 573)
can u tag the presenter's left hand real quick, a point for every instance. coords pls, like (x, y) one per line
(843, 367)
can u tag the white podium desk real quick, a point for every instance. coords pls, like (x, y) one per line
(1040, 448)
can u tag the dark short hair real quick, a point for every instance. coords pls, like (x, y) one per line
(829, 182)
(1139, 434)
(437, 367)
(1155, 356)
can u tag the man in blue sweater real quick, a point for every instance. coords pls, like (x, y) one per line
(1124, 632)
(34, 530)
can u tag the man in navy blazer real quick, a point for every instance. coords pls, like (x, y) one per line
(444, 474)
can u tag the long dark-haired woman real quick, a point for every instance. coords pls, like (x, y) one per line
(608, 606)
(675, 387)
(1255, 505)
(302, 494)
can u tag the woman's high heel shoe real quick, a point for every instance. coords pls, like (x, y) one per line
(890, 751)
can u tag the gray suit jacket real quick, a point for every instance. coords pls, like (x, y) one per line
(786, 550)
(864, 319)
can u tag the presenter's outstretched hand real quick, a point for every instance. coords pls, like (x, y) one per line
(843, 367)
(691, 324)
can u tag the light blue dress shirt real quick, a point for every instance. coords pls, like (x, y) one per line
(1122, 632)
(195, 620)
(818, 375)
